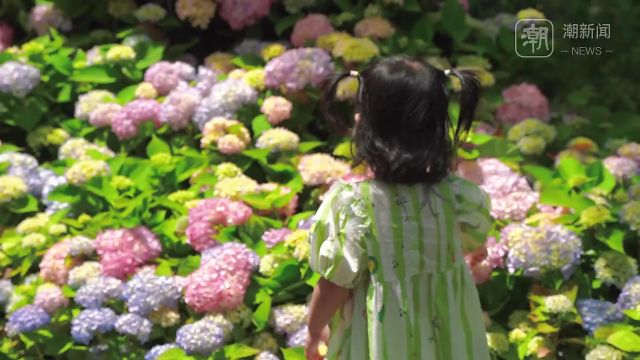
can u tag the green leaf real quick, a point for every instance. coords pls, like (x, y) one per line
(540, 173)
(497, 147)
(343, 149)
(98, 74)
(260, 316)
(625, 340)
(423, 29)
(61, 63)
(188, 265)
(283, 24)
(307, 146)
(615, 240)
(454, 20)
(293, 354)
(157, 146)
(239, 351)
(25, 204)
(260, 124)
(257, 201)
(152, 55)
(608, 182)
(127, 94)
(564, 197)
(288, 272)
(570, 167)
(175, 354)
(65, 93)
(633, 314)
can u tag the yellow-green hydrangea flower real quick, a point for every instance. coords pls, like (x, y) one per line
(236, 187)
(615, 268)
(181, 196)
(227, 170)
(535, 344)
(121, 182)
(33, 224)
(558, 304)
(265, 341)
(516, 335)
(498, 342)
(329, 41)
(240, 316)
(347, 88)
(531, 136)
(270, 262)
(34, 240)
(57, 229)
(278, 139)
(11, 188)
(530, 13)
(255, 78)
(83, 170)
(165, 317)
(355, 50)
(120, 53)
(272, 51)
(161, 159)
(145, 90)
(594, 215)
(299, 242)
(631, 214)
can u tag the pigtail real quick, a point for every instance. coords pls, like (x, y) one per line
(329, 104)
(469, 96)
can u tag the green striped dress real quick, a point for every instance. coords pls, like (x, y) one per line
(400, 248)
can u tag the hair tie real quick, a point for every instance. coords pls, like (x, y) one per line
(354, 73)
(447, 72)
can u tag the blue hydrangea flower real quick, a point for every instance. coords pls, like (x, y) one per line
(26, 319)
(201, 337)
(539, 249)
(158, 350)
(97, 292)
(18, 79)
(6, 290)
(146, 293)
(596, 313)
(21, 164)
(297, 338)
(92, 321)
(134, 325)
(629, 298)
(224, 100)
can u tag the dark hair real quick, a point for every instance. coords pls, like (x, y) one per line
(404, 132)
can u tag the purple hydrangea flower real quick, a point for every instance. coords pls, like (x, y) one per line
(288, 318)
(45, 16)
(201, 337)
(158, 350)
(134, 325)
(179, 106)
(224, 100)
(146, 293)
(629, 298)
(273, 237)
(539, 249)
(205, 79)
(266, 355)
(91, 321)
(596, 313)
(97, 292)
(18, 79)
(297, 68)
(21, 165)
(27, 319)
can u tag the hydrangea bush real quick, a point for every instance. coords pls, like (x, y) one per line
(156, 193)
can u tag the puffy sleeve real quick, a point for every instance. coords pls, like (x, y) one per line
(473, 207)
(338, 249)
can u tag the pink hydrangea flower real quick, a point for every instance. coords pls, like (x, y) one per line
(277, 109)
(6, 35)
(510, 193)
(309, 28)
(242, 13)
(521, 102)
(210, 214)
(45, 16)
(55, 266)
(166, 76)
(221, 281)
(50, 298)
(374, 27)
(123, 251)
(621, 167)
(273, 237)
(298, 68)
(126, 122)
(230, 144)
(103, 114)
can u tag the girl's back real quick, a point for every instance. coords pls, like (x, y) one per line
(401, 248)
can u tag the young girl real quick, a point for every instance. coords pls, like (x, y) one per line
(390, 250)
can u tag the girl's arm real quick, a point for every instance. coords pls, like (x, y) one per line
(327, 298)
